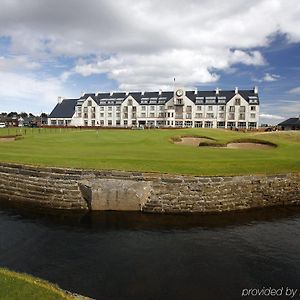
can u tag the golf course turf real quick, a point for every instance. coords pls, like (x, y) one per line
(152, 150)
(20, 286)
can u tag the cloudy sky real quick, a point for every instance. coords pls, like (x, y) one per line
(51, 48)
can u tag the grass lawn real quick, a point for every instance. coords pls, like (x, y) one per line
(16, 286)
(151, 151)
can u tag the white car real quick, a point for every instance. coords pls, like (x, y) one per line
(2, 125)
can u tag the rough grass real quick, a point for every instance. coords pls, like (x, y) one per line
(18, 286)
(152, 151)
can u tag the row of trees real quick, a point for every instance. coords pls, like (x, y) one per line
(22, 114)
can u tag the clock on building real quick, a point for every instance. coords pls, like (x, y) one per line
(179, 92)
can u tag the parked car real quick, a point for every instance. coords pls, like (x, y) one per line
(2, 125)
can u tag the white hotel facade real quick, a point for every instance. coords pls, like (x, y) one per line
(179, 108)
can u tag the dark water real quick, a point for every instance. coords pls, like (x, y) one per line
(137, 256)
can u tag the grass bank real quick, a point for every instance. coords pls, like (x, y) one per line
(18, 286)
(152, 151)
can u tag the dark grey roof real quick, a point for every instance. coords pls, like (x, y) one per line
(290, 122)
(65, 109)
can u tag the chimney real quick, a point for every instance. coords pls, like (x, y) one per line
(236, 90)
(82, 94)
(59, 99)
(255, 90)
(111, 93)
(217, 91)
(196, 91)
(97, 93)
(126, 93)
(143, 93)
(160, 92)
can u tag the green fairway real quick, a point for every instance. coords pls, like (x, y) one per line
(16, 286)
(151, 151)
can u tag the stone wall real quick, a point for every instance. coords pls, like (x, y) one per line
(158, 193)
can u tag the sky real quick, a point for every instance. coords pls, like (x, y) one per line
(51, 48)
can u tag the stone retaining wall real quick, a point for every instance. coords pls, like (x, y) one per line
(160, 193)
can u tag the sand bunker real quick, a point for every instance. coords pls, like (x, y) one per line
(249, 146)
(192, 141)
(7, 138)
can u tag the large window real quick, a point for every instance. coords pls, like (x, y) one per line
(199, 107)
(209, 115)
(221, 124)
(231, 109)
(253, 108)
(198, 124)
(208, 124)
(198, 115)
(210, 108)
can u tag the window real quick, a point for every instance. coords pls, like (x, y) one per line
(151, 115)
(161, 107)
(188, 123)
(252, 124)
(102, 108)
(237, 101)
(188, 109)
(210, 108)
(253, 108)
(231, 116)
(220, 124)
(85, 109)
(209, 116)
(118, 115)
(79, 114)
(198, 115)
(90, 103)
(230, 124)
(170, 107)
(242, 116)
(208, 124)
(109, 122)
(252, 116)
(125, 122)
(221, 115)
(118, 122)
(231, 109)
(143, 108)
(198, 124)
(241, 124)
(143, 115)
(152, 108)
(222, 108)
(109, 108)
(109, 115)
(102, 122)
(129, 103)
(199, 107)
(53, 122)
(118, 108)
(242, 108)
(101, 115)
(93, 122)
(85, 123)
(93, 109)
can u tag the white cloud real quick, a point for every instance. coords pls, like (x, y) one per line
(270, 77)
(295, 90)
(17, 63)
(147, 43)
(28, 93)
(271, 117)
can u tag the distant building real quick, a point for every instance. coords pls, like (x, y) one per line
(290, 124)
(178, 108)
